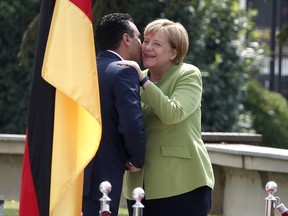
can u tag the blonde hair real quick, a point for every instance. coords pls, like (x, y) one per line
(177, 36)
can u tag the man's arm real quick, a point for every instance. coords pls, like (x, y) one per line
(128, 105)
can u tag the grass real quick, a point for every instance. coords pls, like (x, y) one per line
(11, 209)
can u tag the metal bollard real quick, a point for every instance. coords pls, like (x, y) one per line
(138, 194)
(105, 188)
(282, 209)
(271, 188)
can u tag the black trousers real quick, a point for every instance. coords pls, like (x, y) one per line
(194, 203)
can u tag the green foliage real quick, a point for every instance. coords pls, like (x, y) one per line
(14, 79)
(222, 56)
(221, 45)
(283, 35)
(269, 115)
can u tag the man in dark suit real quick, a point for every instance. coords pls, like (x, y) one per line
(123, 138)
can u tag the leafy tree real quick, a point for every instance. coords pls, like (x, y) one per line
(269, 114)
(223, 57)
(15, 16)
(217, 29)
(283, 35)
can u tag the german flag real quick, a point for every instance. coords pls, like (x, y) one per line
(64, 120)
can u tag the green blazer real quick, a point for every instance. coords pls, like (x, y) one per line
(176, 159)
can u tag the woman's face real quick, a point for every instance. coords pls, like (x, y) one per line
(157, 53)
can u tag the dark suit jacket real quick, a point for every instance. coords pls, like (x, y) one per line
(123, 136)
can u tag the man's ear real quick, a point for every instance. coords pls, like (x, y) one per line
(126, 39)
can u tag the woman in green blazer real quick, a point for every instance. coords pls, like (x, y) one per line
(177, 176)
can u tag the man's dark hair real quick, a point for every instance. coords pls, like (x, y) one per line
(110, 29)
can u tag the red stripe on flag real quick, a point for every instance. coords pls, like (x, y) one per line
(35, 185)
(27, 187)
(37, 178)
(85, 6)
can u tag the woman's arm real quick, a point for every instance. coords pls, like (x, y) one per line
(144, 80)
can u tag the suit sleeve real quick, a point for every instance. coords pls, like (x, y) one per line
(128, 105)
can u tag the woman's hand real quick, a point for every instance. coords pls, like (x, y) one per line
(134, 65)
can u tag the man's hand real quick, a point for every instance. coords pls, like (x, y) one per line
(131, 168)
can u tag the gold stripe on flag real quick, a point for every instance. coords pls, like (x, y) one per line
(70, 66)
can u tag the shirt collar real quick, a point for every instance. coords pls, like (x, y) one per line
(115, 54)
